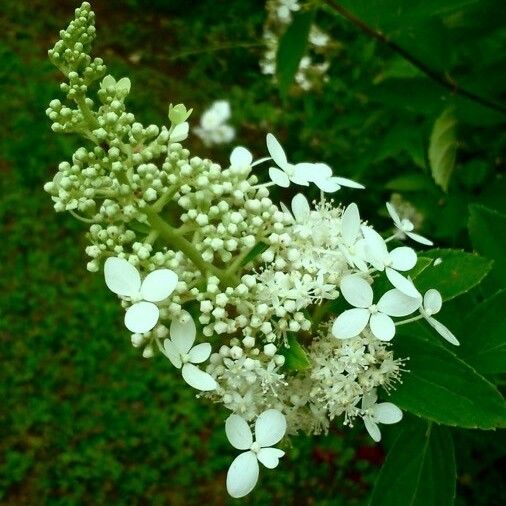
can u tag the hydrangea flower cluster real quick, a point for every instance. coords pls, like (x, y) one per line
(283, 315)
(213, 128)
(314, 65)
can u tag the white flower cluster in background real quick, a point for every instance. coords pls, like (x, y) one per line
(213, 127)
(314, 65)
(284, 314)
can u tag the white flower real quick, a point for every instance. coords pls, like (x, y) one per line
(384, 412)
(352, 245)
(180, 351)
(213, 128)
(180, 132)
(241, 158)
(285, 7)
(285, 172)
(321, 175)
(270, 427)
(359, 294)
(406, 227)
(399, 259)
(122, 278)
(432, 303)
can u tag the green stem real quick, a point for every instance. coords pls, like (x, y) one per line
(174, 239)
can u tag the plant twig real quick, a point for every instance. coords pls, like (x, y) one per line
(443, 79)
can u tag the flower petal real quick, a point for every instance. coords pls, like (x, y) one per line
(171, 353)
(180, 132)
(382, 326)
(141, 317)
(350, 323)
(372, 428)
(242, 475)
(375, 248)
(369, 399)
(402, 283)
(348, 183)
(387, 413)
(403, 258)
(432, 301)
(241, 157)
(420, 239)
(200, 353)
(298, 175)
(396, 303)
(183, 332)
(276, 151)
(238, 432)
(270, 427)
(394, 215)
(350, 224)
(269, 457)
(300, 207)
(198, 379)
(328, 185)
(158, 285)
(121, 277)
(442, 330)
(356, 290)
(279, 177)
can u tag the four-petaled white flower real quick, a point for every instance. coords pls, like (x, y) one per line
(432, 303)
(270, 427)
(180, 351)
(402, 258)
(406, 227)
(122, 278)
(373, 414)
(357, 291)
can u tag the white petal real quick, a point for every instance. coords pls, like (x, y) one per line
(376, 249)
(373, 429)
(141, 317)
(276, 151)
(298, 175)
(180, 132)
(279, 177)
(171, 353)
(269, 457)
(270, 427)
(183, 333)
(350, 323)
(396, 303)
(300, 207)
(356, 290)
(420, 239)
(328, 185)
(198, 379)
(382, 326)
(403, 258)
(350, 224)
(369, 399)
(349, 183)
(394, 215)
(240, 157)
(315, 171)
(387, 413)
(121, 277)
(200, 353)
(158, 285)
(432, 301)
(242, 475)
(402, 283)
(442, 330)
(238, 432)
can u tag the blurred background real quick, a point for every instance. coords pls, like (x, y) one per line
(83, 418)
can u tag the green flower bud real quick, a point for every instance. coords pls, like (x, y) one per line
(178, 113)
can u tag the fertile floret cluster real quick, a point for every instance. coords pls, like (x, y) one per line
(285, 316)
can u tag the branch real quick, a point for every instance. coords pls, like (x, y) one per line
(442, 79)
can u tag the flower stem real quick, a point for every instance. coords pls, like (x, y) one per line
(409, 320)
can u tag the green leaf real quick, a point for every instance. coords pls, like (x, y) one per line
(455, 272)
(419, 469)
(256, 250)
(442, 388)
(410, 183)
(487, 229)
(484, 342)
(443, 148)
(295, 356)
(421, 264)
(291, 49)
